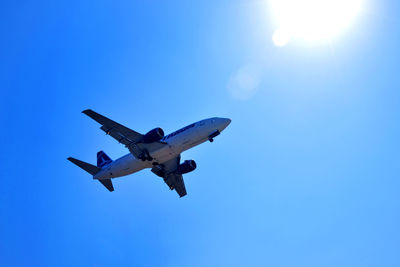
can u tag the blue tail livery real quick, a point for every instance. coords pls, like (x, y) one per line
(102, 159)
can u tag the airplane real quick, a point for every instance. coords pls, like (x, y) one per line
(161, 153)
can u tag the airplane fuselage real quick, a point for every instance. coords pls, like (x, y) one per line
(177, 142)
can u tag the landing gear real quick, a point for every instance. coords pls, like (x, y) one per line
(212, 135)
(145, 156)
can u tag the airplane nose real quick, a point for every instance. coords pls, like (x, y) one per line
(224, 122)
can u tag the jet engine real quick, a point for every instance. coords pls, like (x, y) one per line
(153, 136)
(187, 166)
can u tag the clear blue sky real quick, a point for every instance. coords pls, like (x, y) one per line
(307, 174)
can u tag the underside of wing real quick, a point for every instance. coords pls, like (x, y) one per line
(175, 181)
(130, 138)
(119, 132)
(168, 171)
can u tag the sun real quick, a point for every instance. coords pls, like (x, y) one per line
(311, 20)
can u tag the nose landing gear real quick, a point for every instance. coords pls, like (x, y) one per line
(212, 135)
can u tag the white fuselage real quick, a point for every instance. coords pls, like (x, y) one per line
(177, 142)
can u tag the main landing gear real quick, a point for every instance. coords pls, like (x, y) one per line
(145, 156)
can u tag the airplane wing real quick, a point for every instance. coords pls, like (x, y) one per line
(175, 181)
(130, 138)
(171, 177)
(119, 132)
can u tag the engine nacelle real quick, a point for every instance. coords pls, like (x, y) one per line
(187, 166)
(153, 136)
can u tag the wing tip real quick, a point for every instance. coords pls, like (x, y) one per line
(86, 111)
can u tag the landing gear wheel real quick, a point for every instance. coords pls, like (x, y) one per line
(143, 157)
(147, 155)
(211, 140)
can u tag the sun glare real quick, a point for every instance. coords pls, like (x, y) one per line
(311, 20)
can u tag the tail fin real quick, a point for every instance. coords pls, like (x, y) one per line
(102, 159)
(93, 170)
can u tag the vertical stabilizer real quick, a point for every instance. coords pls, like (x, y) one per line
(102, 159)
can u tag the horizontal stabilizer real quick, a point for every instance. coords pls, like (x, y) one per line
(86, 166)
(108, 184)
